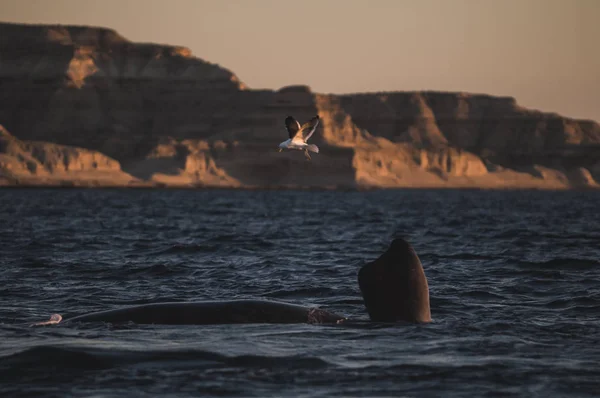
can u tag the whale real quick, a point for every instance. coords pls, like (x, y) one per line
(207, 313)
(394, 286)
(394, 289)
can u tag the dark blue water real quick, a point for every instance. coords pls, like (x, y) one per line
(514, 280)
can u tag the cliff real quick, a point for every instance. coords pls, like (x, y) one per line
(42, 163)
(86, 106)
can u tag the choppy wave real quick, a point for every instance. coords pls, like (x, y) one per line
(513, 278)
(77, 358)
(572, 264)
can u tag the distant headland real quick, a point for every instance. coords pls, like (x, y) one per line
(83, 106)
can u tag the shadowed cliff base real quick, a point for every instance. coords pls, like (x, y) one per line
(86, 107)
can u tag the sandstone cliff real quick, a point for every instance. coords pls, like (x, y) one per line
(85, 104)
(42, 163)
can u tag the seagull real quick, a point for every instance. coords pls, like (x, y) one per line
(299, 135)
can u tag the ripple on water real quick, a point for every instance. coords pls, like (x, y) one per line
(514, 289)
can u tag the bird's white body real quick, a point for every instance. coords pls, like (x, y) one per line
(299, 135)
(299, 145)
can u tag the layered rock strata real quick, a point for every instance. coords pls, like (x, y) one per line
(86, 106)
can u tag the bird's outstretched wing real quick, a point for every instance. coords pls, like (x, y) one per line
(292, 126)
(309, 128)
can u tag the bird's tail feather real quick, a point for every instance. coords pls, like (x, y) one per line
(313, 148)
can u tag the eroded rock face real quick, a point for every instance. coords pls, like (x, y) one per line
(458, 140)
(42, 163)
(90, 87)
(181, 163)
(172, 119)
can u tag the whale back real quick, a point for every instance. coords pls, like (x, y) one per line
(394, 286)
(212, 312)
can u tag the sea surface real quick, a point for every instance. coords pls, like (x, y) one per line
(514, 280)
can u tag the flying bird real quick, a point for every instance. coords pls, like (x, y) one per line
(299, 135)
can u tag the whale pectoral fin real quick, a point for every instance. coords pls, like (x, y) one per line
(54, 319)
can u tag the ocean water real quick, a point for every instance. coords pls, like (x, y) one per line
(514, 281)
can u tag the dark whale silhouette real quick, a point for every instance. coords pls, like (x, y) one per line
(212, 312)
(394, 288)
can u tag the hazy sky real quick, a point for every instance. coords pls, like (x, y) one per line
(546, 53)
